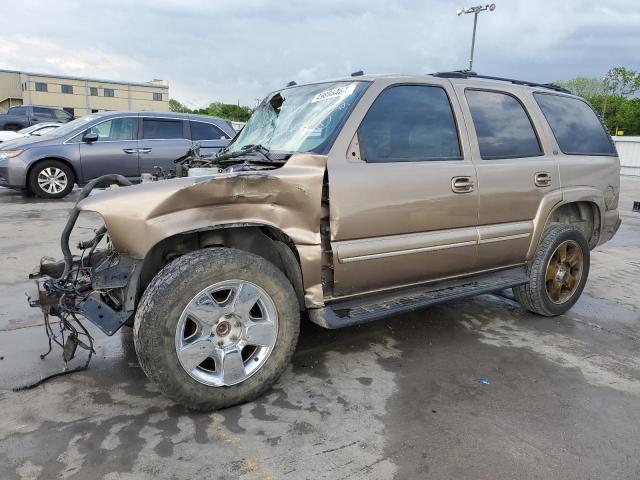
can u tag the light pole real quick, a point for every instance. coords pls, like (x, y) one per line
(475, 10)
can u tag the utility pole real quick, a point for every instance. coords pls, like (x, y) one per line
(475, 10)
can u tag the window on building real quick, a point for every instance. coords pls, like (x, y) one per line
(94, 110)
(155, 128)
(109, 92)
(157, 97)
(67, 88)
(41, 112)
(502, 126)
(93, 91)
(206, 131)
(41, 87)
(69, 110)
(575, 125)
(410, 123)
(115, 129)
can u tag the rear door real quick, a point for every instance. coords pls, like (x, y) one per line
(115, 151)
(404, 201)
(209, 136)
(515, 171)
(161, 141)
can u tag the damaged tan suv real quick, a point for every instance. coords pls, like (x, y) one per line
(351, 200)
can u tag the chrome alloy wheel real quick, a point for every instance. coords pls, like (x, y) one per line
(226, 333)
(52, 180)
(564, 271)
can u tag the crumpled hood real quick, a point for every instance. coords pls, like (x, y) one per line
(287, 198)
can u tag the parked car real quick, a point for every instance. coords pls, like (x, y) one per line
(125, 143)
(351, 200)
(24, 116)
(34, 130)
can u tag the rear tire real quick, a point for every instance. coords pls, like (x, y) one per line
(198, 282)
(51, 179)
(558, 272)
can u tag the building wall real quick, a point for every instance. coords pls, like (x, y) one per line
(126, 96)
(10, 91)
(629, 153)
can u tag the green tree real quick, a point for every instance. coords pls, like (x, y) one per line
(585, 87)
(176, 106)
(228, 111)
(621, 81)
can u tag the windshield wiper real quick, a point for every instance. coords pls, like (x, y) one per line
(264, 151)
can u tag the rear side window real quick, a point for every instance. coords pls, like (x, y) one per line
(410, 123)
(575, 125)
(42, 112)
(502, 126)
(206, 131)
(17, 111)
(162, 129)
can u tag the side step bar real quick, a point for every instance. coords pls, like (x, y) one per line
(354, 312)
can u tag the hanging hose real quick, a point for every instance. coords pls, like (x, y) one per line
(75, 212)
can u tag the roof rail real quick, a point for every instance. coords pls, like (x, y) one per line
(470, 74)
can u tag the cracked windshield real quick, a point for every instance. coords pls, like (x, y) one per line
(300, 119)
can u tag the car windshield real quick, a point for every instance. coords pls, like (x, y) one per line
(73, 125)
(28, 130)
(300, 119)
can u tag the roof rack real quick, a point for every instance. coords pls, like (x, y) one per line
(470, 74)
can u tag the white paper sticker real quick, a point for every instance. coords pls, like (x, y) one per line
(339, 92)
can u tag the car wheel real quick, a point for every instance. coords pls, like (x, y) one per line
(51, 179)
(558, 272)
(216, 327)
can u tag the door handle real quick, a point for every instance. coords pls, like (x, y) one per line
(542, 179)
(144, 150)
(462, 184)
(129, 150)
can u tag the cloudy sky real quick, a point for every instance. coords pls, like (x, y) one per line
(232, 50)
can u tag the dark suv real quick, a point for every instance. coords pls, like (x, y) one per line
(125, 143)
(23, 116)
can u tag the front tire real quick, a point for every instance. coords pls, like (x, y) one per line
(216, 327)
(51, 179)
(558, 272)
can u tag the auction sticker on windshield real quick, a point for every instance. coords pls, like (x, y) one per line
(344, 91)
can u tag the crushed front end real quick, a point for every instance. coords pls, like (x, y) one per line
(99, 284)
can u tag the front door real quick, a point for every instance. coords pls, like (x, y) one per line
(115, 150)
(162, 140)
(514, 172)
(403, 204)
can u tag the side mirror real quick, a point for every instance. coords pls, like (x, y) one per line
(90, 137)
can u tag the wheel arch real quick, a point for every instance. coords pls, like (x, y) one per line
(49, 158)
(260, 239)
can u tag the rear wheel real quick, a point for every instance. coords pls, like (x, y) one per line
(558, 272)
(216, 327)
(51, 179)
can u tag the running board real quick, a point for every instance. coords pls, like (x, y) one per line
(354, 312)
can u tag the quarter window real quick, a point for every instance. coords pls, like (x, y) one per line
(63, 115)
(67, 88)
(502, 126)
(206, 131)
(41, 87)
(575, 125)
(162, 129)
(70, 110)
(115, 129)
(109, 92)
(410, 123)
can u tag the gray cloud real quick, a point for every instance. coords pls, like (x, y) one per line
(229, 50)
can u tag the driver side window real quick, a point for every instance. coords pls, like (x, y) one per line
(114, 130)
